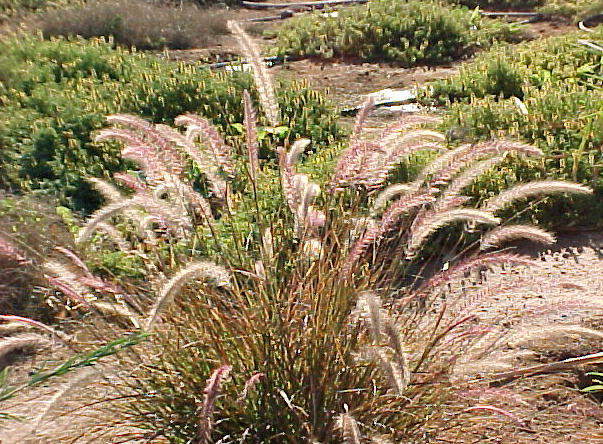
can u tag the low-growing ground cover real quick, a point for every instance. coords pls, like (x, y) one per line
(404, 32)
(500, 4)
(54, 94)
(546, 92)
(574, 9)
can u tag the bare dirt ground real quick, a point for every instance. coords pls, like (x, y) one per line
(538, 314)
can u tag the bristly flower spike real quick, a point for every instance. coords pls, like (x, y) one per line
(533, 189)
(359, 123)
(262, 79)
(212, 390)
(9, 250)
(431, 224)
(349, 429)
(251, 136)
(200, 126)
(206, 270)
(500, 235)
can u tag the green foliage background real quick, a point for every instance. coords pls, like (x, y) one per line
(55, 94)
(406, 32)
(558, 81)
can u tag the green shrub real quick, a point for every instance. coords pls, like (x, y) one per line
(406, 32)
(516, 70)
(137, 23)
(557, 8)
(54, 94)
(500, 4)
(575, 9)
(556, 83)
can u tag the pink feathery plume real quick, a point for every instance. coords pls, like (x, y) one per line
(33, 322)
(392, 132)
(402, 206)
(251, 135)
(363, 113)
(388, 222)
(471, 333)
(506, 395)
(288, 180)
(148, 140)
(131, 182)
(75, 259)
(126, 136)
(148, 159)
(172, 157)
(261, 76)
(376, 175)
(315, 219)
(212, 390)
(483, 260)
(169, 216)
(474, 152)
(99, 284)
(201, 158)
(440, 206)
(450, 202)
(368, 163)
(199, 126)
(250, 384)
(9, 250)
(68, 291)
(354, 163)
(137, 123)
(498, 410)
(195, 199)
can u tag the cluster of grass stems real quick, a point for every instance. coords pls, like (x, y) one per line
(321, 319)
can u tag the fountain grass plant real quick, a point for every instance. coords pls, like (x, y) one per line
(282, 310)
(319, 319)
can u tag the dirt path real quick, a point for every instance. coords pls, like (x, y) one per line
(537, 314)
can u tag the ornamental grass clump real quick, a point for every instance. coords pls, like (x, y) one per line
(319, 320)
(282, 310)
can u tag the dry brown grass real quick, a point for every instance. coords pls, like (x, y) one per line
(138, 23)
(22, 286)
